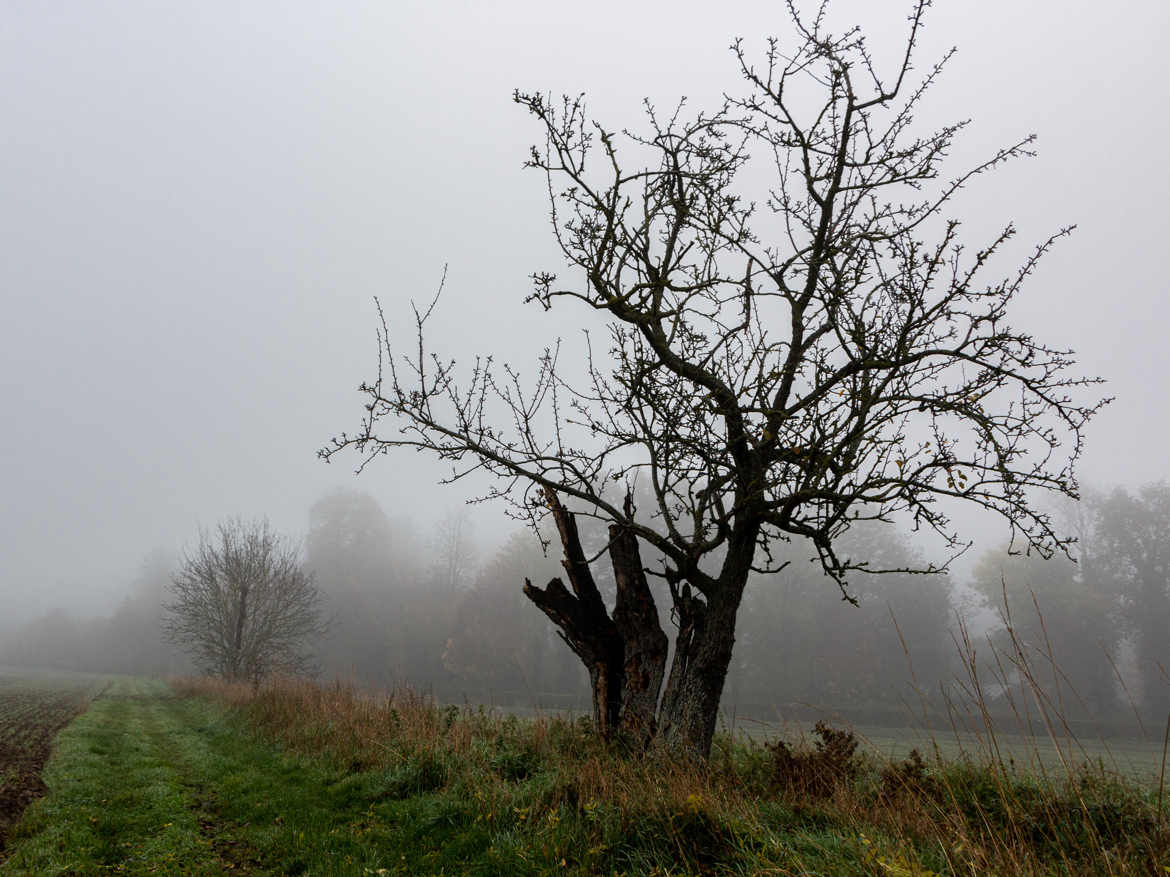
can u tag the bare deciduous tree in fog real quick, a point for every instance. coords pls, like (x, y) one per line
(783, 359)
(242, 605)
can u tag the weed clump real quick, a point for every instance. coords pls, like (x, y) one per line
(421, 773)
(908, 777)
(815, 772)
(514, 764)
(702, 837)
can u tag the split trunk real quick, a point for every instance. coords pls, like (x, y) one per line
(626, 653)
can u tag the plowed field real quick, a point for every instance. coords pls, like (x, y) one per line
(32, 710)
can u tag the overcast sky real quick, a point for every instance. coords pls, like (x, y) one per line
(199, 201)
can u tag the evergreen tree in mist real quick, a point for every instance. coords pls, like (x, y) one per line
(801, 644)
(498, 647)
(1130, 554)
(1061, 620)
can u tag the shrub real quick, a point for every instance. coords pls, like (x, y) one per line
(817, 772)
(907, 777)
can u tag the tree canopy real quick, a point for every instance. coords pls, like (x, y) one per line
(782, 360)
(242, 605)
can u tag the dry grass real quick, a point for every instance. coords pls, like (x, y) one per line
(799, 806)
(387, 730)
(806, 807)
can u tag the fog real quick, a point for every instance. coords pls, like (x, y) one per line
(199, 203)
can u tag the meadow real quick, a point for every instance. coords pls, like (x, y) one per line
(1132, 757)
(200, 777)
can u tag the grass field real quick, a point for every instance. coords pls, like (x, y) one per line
(304, 779)
(1131, 756)
(1137, 759)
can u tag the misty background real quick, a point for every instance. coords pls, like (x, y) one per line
(199, 203)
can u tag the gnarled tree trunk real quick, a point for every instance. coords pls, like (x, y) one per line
(644, 644)
(626, 654)
(702, 654)
(583, 622)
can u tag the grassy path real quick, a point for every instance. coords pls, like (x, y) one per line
(148, 783)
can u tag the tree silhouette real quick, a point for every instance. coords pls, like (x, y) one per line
(783, 360)
(242, 605)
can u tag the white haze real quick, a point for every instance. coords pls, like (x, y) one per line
(199, 201)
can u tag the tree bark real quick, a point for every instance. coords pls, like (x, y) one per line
(626, 654)
(594, 640)
(690, 704)
(644, 643)
(584, 622)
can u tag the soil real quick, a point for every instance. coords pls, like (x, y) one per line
(29, 720)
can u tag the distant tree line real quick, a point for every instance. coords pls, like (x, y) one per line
(431, 611)
(1097, 630)
(130, 640)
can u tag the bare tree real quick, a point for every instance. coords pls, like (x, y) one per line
(242, 605)
(778, 365)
